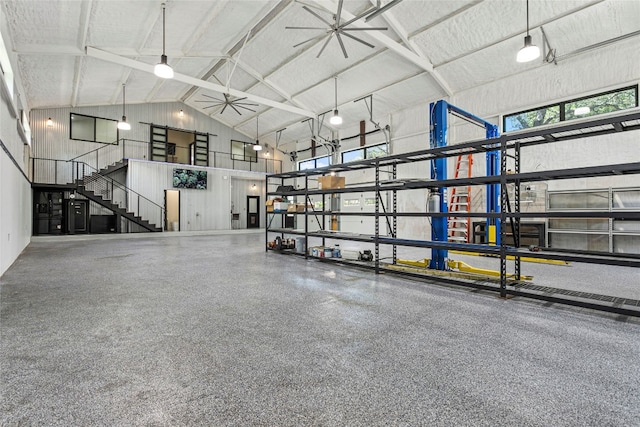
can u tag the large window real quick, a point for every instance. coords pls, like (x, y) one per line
(318, 162)
(606, 102)
(243, 151)
(362, 153)
(94, 129)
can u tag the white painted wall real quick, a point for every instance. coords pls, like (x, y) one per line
(208, 209)
(15, 189)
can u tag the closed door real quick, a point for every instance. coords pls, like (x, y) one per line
(253, 212)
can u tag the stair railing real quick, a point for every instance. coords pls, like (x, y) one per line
(106, 155)
(117, 193)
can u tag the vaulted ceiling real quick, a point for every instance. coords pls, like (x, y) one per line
(79, 53)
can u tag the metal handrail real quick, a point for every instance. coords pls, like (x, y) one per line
(94, 175)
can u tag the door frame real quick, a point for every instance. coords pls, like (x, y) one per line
(257, 213)
(166, 221)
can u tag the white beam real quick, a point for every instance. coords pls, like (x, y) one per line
(148, 68)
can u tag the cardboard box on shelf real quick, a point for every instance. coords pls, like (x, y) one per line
(269, 204)
(300, 207)
(330, 181)
(280, 206)
(292, 208)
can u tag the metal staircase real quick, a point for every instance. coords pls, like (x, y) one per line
(459, 226)
(98, 187)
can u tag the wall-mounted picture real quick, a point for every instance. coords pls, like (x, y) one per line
(187, 178)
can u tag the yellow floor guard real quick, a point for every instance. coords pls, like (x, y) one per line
(461, 267)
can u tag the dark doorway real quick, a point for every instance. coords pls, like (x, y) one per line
(78, 216)
(253, 212)
(48, 212)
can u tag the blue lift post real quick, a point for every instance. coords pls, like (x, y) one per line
(438, 138)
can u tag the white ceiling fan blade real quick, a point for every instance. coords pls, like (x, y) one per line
(324, 46)
(358, 40)
(316, 15)
(344, 51)
(311, 39)
(304, 28)
(365, 29)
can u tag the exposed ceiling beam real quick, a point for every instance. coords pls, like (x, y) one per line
(271, 85)
(253, 32)
(85, 16)
(148, 68)
(402, 33)
(389, 43)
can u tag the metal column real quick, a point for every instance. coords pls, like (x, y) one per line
(438, 138)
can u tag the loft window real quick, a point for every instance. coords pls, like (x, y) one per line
(588, 106)
(317, 162)
(243, 151)
(93, 129)
(362, 153)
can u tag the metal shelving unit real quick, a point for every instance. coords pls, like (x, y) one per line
(510, 215)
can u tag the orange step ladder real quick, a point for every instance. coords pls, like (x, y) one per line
(459, 225)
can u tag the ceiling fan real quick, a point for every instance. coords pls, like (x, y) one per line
(228, 101)
(340, 28)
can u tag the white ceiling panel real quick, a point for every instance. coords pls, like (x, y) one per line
(47, 80)
(43, 23)
(470, 43)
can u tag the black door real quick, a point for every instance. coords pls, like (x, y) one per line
(253, 212)
(77, 216)
(48, 212)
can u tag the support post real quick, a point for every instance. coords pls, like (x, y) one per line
(493, 190)
(438, 138)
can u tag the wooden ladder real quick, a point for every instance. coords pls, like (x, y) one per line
(459, 225)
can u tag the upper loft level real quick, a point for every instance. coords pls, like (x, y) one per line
(62, 138)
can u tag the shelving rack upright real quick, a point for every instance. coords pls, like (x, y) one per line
(510, 215)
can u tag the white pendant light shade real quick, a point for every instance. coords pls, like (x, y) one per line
(49, 122)
(123, 125)
(257, 146)
(163, 69)
(529, 52)
(335, 119)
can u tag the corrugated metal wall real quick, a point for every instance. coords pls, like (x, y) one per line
(208, 209)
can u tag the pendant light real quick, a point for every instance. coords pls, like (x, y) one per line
(530, 51)
(163, 69)
(257, 146)
(336, 119)
(122, 124)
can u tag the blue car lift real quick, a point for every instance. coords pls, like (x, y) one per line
(438, 138)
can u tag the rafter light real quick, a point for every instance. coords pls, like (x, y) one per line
(530, 51)
(162, 69)
(122, 124)
(336, 119)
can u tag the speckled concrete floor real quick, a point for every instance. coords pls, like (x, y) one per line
(211, 330)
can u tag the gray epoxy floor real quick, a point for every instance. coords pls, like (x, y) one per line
(211, 330)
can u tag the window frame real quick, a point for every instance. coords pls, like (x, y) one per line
(315, 162)
(562, 105)
(365, 149)
(244, 157)
(94, 129)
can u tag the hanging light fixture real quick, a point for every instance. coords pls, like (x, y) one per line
(257, 146)
(163, 69)
(530, 51)
(336, 119)
(49, 122)
(181, 113)
(122, 124)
